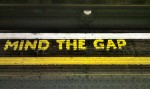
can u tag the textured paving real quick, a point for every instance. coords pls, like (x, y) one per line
(75, 77)
(59, 81)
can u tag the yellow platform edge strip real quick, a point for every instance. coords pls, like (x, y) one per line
(74, 60)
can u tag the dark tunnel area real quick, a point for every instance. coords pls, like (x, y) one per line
(101, 2)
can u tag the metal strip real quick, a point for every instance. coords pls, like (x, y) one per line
(74, 35)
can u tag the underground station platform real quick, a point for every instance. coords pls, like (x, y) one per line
(74, 44)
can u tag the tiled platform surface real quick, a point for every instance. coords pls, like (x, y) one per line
(75, 77)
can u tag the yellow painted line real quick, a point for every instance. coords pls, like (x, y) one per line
(74, 60)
